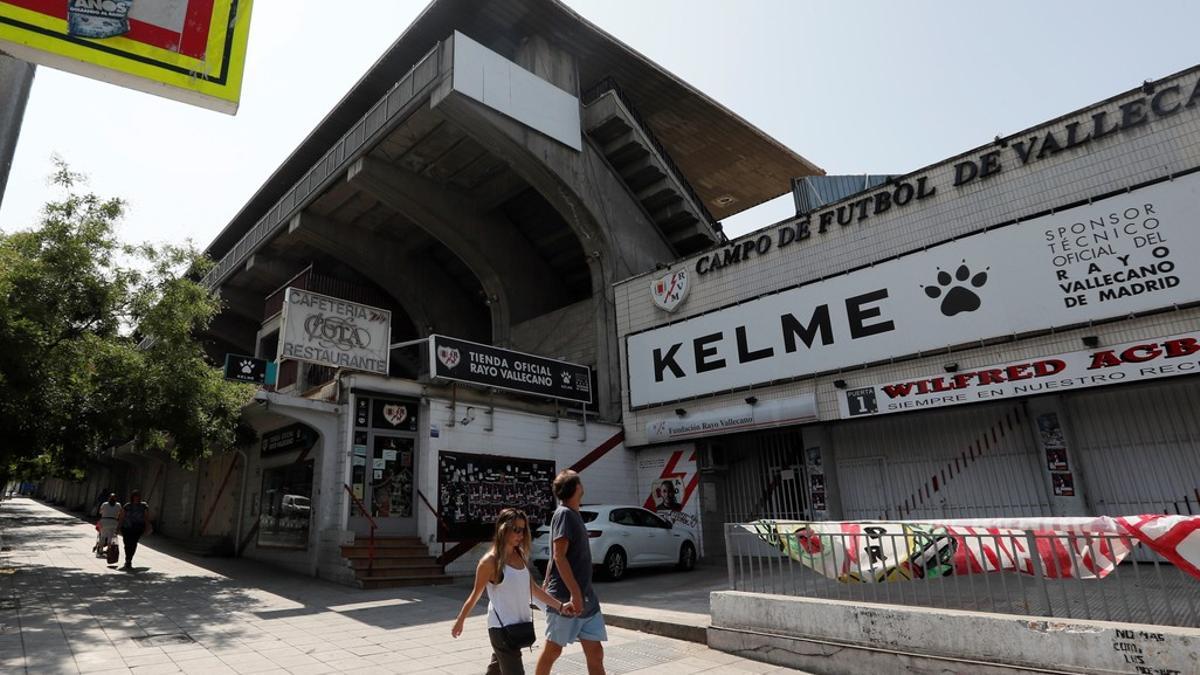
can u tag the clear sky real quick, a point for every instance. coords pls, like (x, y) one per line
(856, 87)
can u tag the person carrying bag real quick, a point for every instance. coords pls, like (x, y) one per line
(504, 574)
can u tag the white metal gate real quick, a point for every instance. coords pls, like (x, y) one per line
(978, 461)
(1139, 448)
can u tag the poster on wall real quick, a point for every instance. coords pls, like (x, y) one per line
(473, 489)
(1143, 360)
(1131, 253)
(668, 478)
(815, 468)
(284, 514)
(1064, 484)
(1053, 442)
(392, 477)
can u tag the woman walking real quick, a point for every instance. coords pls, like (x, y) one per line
(106, 526)
(504, 573)
(133, 521)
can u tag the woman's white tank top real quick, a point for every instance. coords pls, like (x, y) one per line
(509, 599)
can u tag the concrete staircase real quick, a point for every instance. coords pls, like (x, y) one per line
(398, 561)
(648, 171)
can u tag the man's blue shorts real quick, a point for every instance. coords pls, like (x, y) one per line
(563, 630)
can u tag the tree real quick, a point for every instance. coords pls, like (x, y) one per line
(75, 304)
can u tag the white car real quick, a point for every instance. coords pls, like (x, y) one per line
(297, 506)
(623, 537)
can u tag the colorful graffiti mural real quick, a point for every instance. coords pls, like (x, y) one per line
(1054, 548)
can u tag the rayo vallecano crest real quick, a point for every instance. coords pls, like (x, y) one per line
(670, 290)
(449, 356)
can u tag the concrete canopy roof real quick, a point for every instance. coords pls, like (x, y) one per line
(730, 163)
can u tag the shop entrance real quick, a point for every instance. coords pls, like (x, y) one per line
(383, 470)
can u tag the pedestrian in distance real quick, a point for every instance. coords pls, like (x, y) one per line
(106, 526)
(511, 590)
(133, 522)
(569, 580)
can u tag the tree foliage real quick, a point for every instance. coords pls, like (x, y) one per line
(75, 304)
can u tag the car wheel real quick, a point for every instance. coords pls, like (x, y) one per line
(615, 564)
(687, 557)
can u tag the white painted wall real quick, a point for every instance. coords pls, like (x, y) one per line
(611, 479)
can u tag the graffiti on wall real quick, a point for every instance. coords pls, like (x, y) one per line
(1053, 548)
(668, 479)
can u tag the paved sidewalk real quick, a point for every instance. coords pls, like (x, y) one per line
(64, 611)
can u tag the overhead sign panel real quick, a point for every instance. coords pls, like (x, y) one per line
(1129, 362)
(334, 332)
(734, 419)
(241, 368)
(473, 363)
(1135, 252)
(188, 50)
(507, 88)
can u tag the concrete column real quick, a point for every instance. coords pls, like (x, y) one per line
(819, 438)
(617, 236)
(16, 79)
(1047, 412)
(549, 62)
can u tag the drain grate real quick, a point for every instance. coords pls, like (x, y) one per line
(163, 639)
(10, 603)
(626, 658)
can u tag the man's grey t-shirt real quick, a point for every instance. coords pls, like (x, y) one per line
(568, 524)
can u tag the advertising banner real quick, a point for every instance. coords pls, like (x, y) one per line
(668, 478)
(1053, 548)
(1128, 362)
(734, 419)
(473, 363)
(188, 50)
(334, 332)
(474, 489)
(1130, 253)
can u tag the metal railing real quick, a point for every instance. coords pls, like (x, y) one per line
(443, 528)
(608, 84)
(1044, 574)
(366, 514)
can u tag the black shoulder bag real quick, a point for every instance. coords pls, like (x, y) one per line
(518, 635)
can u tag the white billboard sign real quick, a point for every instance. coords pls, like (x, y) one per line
(334, 332)
(1129, 362)
(734, 419)
(1134, 252)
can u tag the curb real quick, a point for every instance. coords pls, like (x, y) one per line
(676, 630)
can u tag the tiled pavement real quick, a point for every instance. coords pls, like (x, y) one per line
(64, 611)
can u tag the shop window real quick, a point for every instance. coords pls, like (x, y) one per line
(286, 509)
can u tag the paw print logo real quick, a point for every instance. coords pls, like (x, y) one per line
(956, 297)
(247, 367)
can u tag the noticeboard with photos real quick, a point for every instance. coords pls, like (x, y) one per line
(473, 489)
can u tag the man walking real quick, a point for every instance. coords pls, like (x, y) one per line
(569, 580)
(133, 521)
